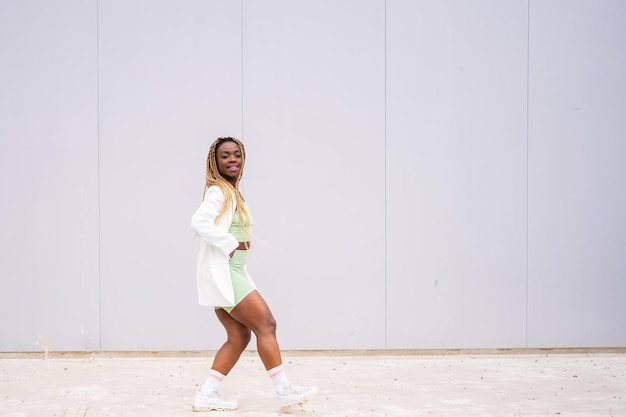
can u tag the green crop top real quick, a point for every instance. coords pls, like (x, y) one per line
(236, 228)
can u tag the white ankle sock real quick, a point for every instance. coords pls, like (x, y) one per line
(279, 378)
(212, 382)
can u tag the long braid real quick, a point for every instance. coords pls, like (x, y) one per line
(213, 177)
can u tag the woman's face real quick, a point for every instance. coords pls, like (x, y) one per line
(229, 160)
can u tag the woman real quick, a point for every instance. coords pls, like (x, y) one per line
(223, 224)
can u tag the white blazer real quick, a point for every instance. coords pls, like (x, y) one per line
(215, 287)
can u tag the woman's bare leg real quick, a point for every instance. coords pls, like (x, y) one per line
(253, 313)
(238, 338)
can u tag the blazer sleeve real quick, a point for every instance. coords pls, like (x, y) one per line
(203, 222)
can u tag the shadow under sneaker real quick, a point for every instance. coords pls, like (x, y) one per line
(213, 401)
(295, 396)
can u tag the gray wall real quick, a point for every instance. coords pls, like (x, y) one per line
(422, 174)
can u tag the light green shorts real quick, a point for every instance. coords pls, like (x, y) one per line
(241, 285)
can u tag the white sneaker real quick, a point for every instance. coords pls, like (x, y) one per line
(295, 396)
(213, 401)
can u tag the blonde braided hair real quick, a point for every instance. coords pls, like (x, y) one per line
(213, 177)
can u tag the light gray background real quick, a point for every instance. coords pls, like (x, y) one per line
(422, 174)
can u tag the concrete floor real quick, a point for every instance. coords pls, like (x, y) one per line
(351, 384)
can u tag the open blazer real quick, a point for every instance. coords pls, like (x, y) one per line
(215, 287)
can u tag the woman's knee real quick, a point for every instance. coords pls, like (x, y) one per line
(240, 339)
(268, 325)
(246, 338)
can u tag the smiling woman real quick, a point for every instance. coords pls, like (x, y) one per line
(223, 222)
(229, 161)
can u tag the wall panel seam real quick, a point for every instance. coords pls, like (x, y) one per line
(99, 182)
(527, 159)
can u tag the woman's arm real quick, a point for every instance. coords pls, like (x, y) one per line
(203, 222)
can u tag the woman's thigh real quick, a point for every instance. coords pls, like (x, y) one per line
(234, 328)
(254, 313)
